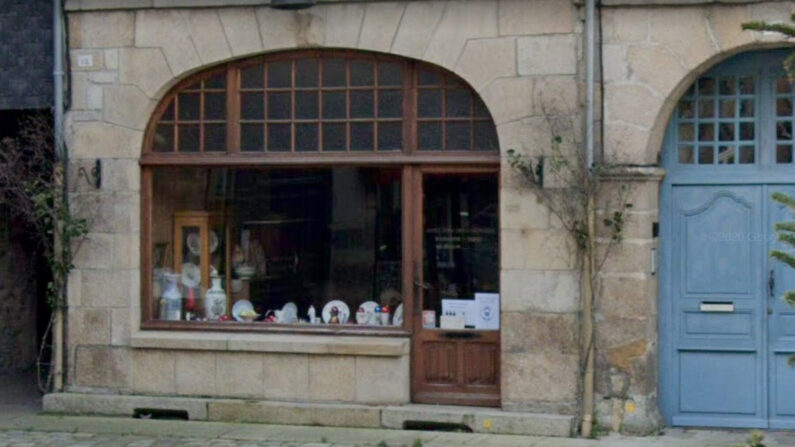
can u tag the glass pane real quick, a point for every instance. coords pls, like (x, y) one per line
(333, 72)
(747, 131)
(188, 105)
(784, 130)
(252, 106)
(390, 103)
(362, 104)
(686, 109)
(706, 155)
(303, 242)
(706, 86)
(429, 136)
(784, 153)
(390, 74)
(279, 137)
(252, 77)
(459, 136)
(727, 108)
(706, 132)
(334, 105)
(747, 154)
(486, 136)
(690, 91)
(747, 108)
(726, 131)
(306, 137)
(280, 74)
(390, 136)
(783, 85)
(362, 137)
(168, 114)
(728, 86)
(164, 138)
(686, 155)
(686, 132)
(726, 155)
(461, 252)
(333, 137)
(458, 103)
(215, 106)
(306, 105)
(279, 106)
(480, 109)
(429, 103)
(784, 107)
(306, 73)
(706, 108)
(362, 73)
(428, 78)
(216, 82)
(188, 138)
(215, 137)
(747, 86)
(252, 137)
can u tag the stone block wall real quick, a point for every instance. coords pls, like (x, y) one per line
(513, 52)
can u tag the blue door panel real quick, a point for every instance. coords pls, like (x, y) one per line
(718, 383)
(783, 378)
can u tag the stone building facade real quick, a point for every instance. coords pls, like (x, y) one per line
(518, 56)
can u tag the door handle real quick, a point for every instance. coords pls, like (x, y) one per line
(771, 284)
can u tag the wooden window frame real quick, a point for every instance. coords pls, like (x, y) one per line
(409, 159)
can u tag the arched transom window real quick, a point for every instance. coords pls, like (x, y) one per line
(285, 192)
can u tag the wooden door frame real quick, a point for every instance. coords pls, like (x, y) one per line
(414, 275)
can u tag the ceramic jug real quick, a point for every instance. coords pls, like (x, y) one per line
(215, 300)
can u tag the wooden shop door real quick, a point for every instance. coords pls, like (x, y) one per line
(456, 360)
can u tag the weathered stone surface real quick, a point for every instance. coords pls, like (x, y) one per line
(484, 60)
(101, 29)
(126, 105)
(120, 327)
(614, 332)
(627, 297)
(552, 333)
(145, 67)
(656, 66)
(94, 251)
(111, 57)
(89, 326)
(523, 17)
(521, 209)
(509, 99)
(633, 104)
(622, 356)
(126, 251)
(615, 63)
(546, 376)
(668, 26)
(121, 174)
(106, 288)
(332, 378)
(119, 405)
(630, 256)
(239, 375)
(208, 36)
(85, 94)
(645, 419)
(540, 291)
(547, 55)
(417, 27)
(294, 413)
(289, 29)
(103, 367)
(382, 380)
(286, 377)
(629, 144)
(154, 372)
(470, 19)
(74, 287)
(623, 25)
(380, 24)
(166, 30)
(548, 250)
(556, 95)
(241, 30)
(95, 56)
(343, 24)
(100, 140)
(195, 374)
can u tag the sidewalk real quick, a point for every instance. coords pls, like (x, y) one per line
(34, 430)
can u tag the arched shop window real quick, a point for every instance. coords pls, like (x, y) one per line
(286, 185)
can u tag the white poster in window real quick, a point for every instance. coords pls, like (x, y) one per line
(487, 311)
(465, 308)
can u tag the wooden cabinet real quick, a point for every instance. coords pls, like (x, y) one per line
(202, 242)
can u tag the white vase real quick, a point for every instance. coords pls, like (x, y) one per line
(173, 298)
(215, 300)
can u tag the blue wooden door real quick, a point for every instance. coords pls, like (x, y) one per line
(725, 333)
(781, 324)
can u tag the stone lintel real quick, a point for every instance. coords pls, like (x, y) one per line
(633, 173)
(282, 343)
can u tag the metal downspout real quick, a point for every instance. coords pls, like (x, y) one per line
(60, 162)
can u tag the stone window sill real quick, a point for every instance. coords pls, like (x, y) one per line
(277, 343)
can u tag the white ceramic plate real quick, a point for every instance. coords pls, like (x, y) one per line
(344, 312)
(195, 246)
(191, 275)
(397, 319)
(289, 313)
(366, 317)
(240, 307)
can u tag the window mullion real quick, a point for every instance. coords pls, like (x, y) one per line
(233, 110)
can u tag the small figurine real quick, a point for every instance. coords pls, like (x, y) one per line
(335, 316)
(311, 315)
(385, 316)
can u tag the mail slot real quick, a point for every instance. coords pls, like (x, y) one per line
(716, 306)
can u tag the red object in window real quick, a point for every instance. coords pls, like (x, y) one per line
(190, 302)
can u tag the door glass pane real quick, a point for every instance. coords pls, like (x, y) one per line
(461, 252)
